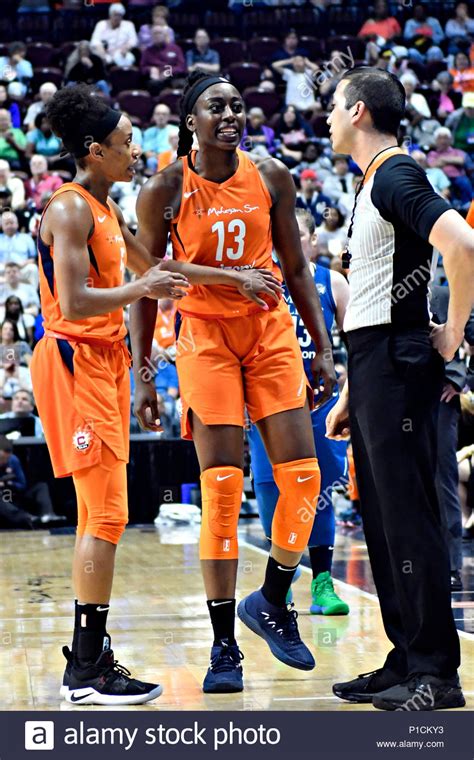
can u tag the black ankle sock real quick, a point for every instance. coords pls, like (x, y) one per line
(91, 634)
(222, 612)
(321, 559)
(278, 579)
(77, 625)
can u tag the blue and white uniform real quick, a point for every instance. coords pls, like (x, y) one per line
(332, 455)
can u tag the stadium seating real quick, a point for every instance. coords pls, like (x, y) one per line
(136, 103)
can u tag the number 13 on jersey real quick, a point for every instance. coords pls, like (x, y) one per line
(236, 228)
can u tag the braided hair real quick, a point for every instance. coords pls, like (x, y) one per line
(185, 135)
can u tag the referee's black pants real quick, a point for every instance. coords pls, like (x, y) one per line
(395, 384)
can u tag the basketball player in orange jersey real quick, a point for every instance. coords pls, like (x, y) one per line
(80, 370)
(228, 214)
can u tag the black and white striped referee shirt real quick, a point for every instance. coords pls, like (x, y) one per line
(391, 258)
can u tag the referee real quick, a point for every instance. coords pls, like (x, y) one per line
(395, 381)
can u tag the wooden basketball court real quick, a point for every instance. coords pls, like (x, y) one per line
(160, 627)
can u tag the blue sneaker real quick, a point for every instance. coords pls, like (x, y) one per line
(278, 626)
(224, 674)
(289, 596)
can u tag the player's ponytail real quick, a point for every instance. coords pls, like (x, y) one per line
(196, 83)
(185, 138)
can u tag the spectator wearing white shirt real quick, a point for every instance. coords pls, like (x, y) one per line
(114, 38)
(13, 376)
(46, 92)
(125, 194)
(416, 104)
(23, 406)
(14, 287)
(297, 73)
(340, 182)
(18, 248)
(15, 68)
(13, 184)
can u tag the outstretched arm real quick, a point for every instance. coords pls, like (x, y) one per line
(69, 221)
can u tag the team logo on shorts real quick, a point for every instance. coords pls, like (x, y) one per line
(226, 545)
(81, 440)
(292, 538)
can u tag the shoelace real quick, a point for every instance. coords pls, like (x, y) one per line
(286, 625)
(116, 668)
(415, 682)
(227, 659)
(327, 588)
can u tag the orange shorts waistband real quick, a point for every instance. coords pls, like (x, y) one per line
(90, 340)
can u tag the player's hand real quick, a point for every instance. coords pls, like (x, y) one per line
(324, 376)
(449, 392)
(446, 340)
(146, 406)
(162, 284)
(337, 421)
(251, 283)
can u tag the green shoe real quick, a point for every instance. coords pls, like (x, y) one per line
(325, 599)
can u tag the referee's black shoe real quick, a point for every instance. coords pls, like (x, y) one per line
(421, 692)
(363, 688)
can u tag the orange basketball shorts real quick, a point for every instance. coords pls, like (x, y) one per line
(82, 392)
(226, 364)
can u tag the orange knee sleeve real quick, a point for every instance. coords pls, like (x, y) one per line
(102, 505)
(221, 489)
(299, 483)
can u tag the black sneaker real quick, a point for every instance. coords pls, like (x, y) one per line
(421, 693)
(105, 682)
(456, 581)
(67, 672)
(363, 688)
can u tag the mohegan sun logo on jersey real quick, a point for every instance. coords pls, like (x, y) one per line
(247, 209)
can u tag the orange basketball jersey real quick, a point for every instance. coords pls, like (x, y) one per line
(223, 224)
(108, 258)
